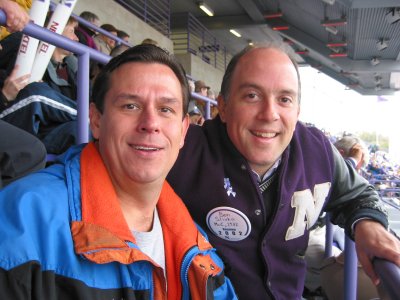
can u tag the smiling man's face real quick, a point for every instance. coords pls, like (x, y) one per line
(262, 110)
(142, 126)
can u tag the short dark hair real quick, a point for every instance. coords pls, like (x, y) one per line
(226, 81)
(144, 53)
(122, 34)
(109, 28)
(89, 16)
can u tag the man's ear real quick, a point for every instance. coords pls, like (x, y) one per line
(221, 107)
(94, 116)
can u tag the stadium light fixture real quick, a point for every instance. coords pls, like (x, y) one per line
(336, 22)
(234, 32)
(336, 55)
(302, 52)
(335, 45)
(374, 61)
(204, 7)
(280, 28)
(332, 29)
(330, 2)
(378, 79)
(393, 15)
(275, 15)
(382, 44)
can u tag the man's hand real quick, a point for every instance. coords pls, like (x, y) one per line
(373, 240)
(357, 153)
(17, 17)
(13, 85)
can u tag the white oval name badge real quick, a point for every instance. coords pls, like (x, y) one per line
(228, 223)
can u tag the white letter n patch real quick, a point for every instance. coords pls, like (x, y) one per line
(307, 209)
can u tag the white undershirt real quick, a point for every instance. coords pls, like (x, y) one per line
(152, 242)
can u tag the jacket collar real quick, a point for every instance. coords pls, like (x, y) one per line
(102, 225)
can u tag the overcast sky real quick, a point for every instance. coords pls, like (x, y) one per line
(327, 104)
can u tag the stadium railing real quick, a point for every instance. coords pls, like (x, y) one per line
(84, 54)
(94, 27)
(388, 272)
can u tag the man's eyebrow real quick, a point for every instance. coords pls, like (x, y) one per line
(129, 96)
(246, 85)
(126, 96)
(289, 91)
(260, 87)
(170, 99)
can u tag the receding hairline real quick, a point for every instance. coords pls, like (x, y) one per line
(279, 47)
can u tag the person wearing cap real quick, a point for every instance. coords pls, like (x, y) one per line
(201, 88)
(103, 42)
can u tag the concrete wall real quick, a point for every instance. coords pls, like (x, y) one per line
(200, 70)
(113, 13)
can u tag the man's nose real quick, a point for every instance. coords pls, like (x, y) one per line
(149, 121)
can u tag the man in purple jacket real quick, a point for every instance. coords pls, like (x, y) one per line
(258, 179)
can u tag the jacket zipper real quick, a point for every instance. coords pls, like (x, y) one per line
(190, 254)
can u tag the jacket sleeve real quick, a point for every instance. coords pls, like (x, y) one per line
(352, 197)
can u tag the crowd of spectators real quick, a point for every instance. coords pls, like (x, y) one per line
(379, 168)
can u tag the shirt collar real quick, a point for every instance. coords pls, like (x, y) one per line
(269, 173)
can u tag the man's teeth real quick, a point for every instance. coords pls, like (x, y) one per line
(265, 134)
(146, 148)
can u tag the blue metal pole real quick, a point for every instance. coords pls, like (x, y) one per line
(350, 270)
(328, 236)
(83, 98)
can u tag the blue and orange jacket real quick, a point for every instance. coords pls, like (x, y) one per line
(63, 236)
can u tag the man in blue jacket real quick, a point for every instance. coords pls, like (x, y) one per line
(258, 179)
(102, 222)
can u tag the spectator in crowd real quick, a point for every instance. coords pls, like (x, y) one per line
(46, 109)
(191, 85)
(20, 152)
(123, 35)
(117, 50)
(201, 88)
(354, 150)
(86, 36)
(211, 94)
(84, 33)
(102, 221)
(270, 177)
(149, 41)
(195, 115)
(103, 42)
(214, 108)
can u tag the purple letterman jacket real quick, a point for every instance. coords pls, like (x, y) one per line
(264, 257)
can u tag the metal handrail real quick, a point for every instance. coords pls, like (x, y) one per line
(94, 27)
(84, 54)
